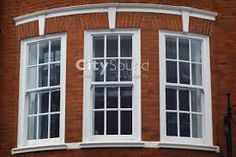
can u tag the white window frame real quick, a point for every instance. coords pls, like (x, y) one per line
(206, 84)
(87, 92)
(22, 113)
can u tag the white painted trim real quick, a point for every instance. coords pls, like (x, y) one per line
(41, 24)
(185, 21)
(120, 7)
(206, 84)
(22, 121)
(124, 144)
(28, 149)
(112, 17)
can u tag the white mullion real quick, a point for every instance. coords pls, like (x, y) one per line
(37, 127)
(190, 113)
(49, 111)
(49, 66)
(119, 113)
(105, 112)
(37, 67)
(177, 59)
(178, 114)
(190, 63)
(105, 61)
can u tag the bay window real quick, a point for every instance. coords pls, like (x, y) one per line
(185, 88)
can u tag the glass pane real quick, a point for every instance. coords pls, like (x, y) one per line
(99, 97)
(54, 74)
(112, 46)
(33, 103)
(31, 77)
(43, 126)
(184, 120)
(99, 123)
(98, 72)
(54, 125)
(171, 99)
(43, 51)
(43, 101)
(183, 49)
(126, 97)
(171, 124)
(32, 58)
(171, 47)
(197, 74)
(184, 100)
(112, 122)
(184, 73)
(196, 50)
(197, 125)
(126, 70)
(32, 128)
(196, 100)
(55, 50)
(112, 97)
(98, 46)
(43, 76)
(112, 70)
(126, 46)
(171, 72)
(55, 101)
(126, 122)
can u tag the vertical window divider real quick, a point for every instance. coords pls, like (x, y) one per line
(37, 66)
(37, 119)
(178, 114)
(191, 82)
(105, 87)
(49, 62)
(49, 112)
(190, 112)
(119, 112)
(105, 110)
(177, 60)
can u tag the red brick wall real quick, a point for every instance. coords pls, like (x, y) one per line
(222, 34)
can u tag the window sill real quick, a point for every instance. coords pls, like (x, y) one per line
(111, 144)
(189, 146)
(26, 149)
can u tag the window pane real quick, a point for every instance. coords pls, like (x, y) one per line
(32, 58)
(43, 76)
(171, 124)
(112, 70)
(184, 120)
(43, 51)
(184, 73)
(171, 99)
(54, 74)
(98, 46)
(197, 125)
(196, 100)
(171, 72)
(43, 101)
(126, 70)
(171, 47)
(54, 125)
(112, 122)
(43, 126)
(55, 50)
(99, 97)
(183, 49)
(33, 103)
(126, 97)
(55, 101)
(99, 123)
(32, 128)
(184, 100)
(126, 122)
(197, 74)
(126, 46)
(98, 72)
(112, 97)
(31, 77)
(196, 50)
(112, 46)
